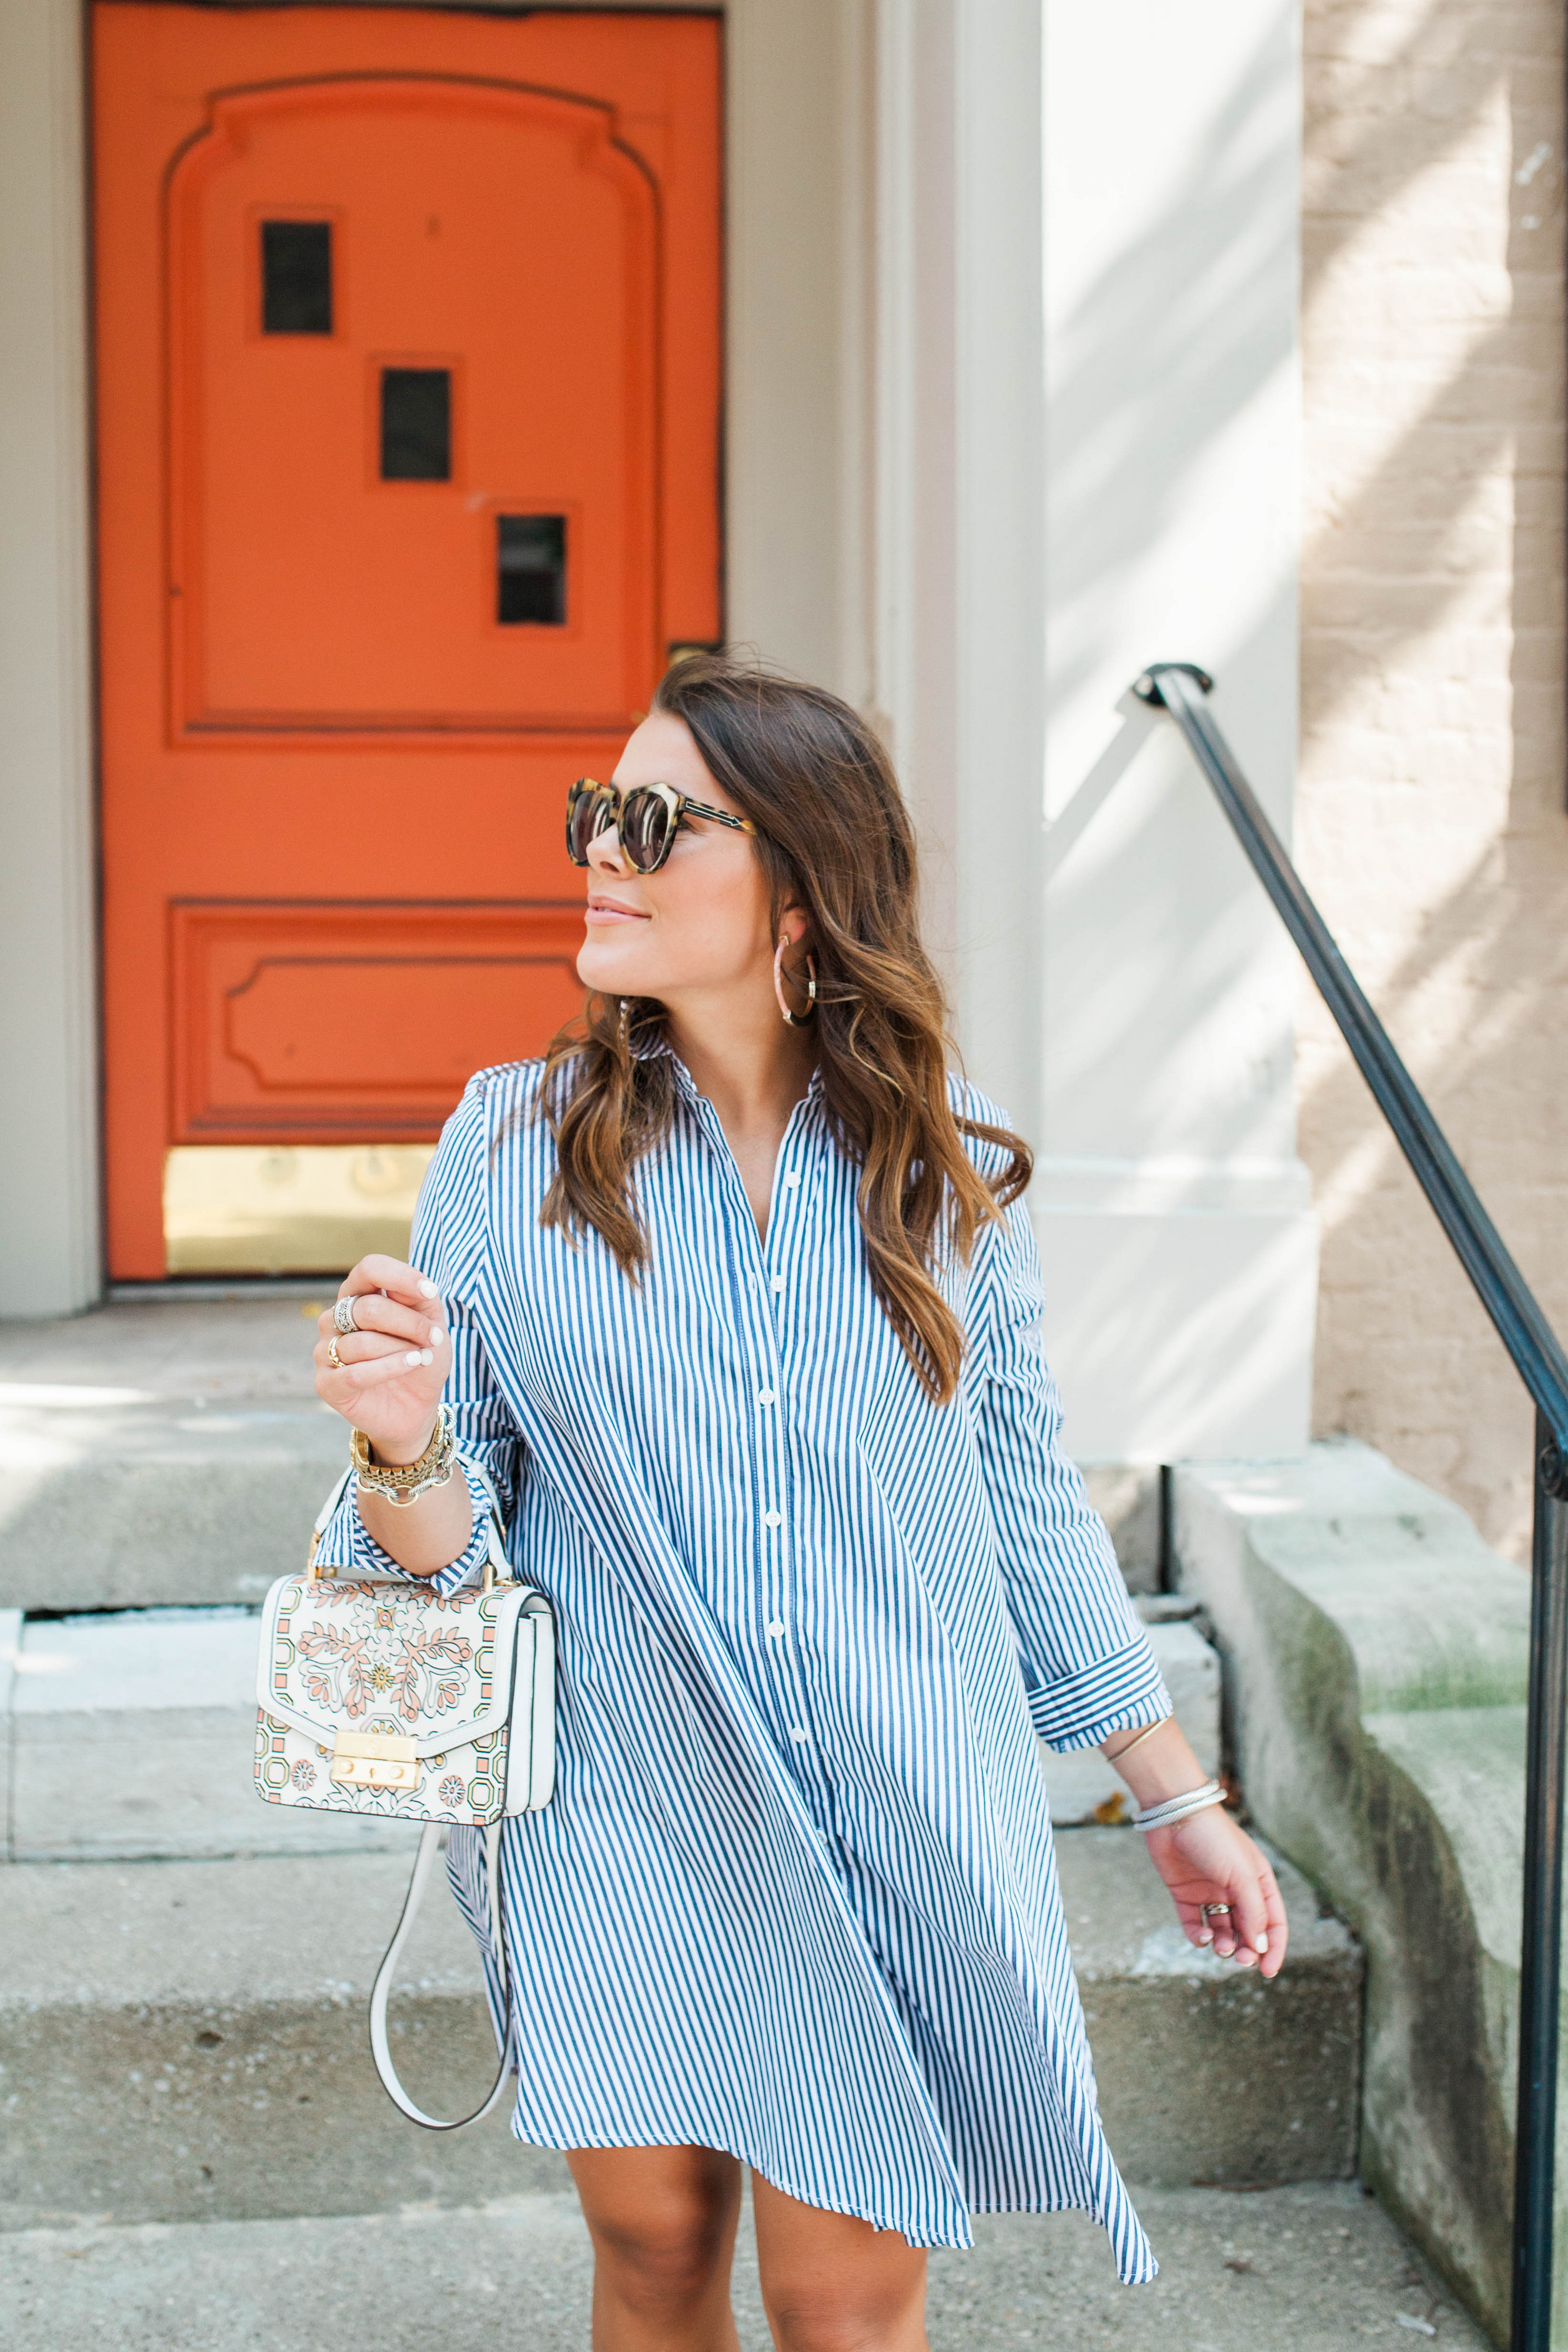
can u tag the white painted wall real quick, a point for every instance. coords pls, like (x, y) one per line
(49, 1259)
(1172, 1214)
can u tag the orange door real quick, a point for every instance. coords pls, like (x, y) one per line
(408, 384)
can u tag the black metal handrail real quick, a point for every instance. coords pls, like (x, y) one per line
(1181, 688)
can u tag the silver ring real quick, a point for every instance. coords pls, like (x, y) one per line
(1217, 1910)
(344, 1316)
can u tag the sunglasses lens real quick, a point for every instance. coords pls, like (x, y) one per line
(586, 813)
(645, 823)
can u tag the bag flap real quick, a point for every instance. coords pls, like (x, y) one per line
(341, 1654)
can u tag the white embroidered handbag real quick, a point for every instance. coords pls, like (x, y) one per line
(376, 1696)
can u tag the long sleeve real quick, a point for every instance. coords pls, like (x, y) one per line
(448, 1246)
(1087, 1663)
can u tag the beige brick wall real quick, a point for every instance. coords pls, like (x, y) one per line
(1430, 820)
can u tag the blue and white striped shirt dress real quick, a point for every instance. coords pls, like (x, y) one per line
(795, 1896)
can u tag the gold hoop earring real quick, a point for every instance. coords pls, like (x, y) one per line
(794, 1020)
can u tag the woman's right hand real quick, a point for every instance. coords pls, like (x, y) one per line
(394, 1364)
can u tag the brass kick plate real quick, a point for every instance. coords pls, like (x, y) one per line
(297, 1208)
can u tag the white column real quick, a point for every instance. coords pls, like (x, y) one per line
(1172, 1214)
(49, 1241)
(1086, 460)
(787, 80)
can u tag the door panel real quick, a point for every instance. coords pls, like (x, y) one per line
(408, 362)
(490, 248)
(336, 1021)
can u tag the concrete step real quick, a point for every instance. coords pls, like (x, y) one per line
(1313, 2268)
(163, 1451)
(130, 1736)
(185, 2041)
(161, 1454)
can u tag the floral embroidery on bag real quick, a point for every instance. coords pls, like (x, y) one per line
(418, 1672)
(429, 1673)
(332, 1592)
(338, 1679)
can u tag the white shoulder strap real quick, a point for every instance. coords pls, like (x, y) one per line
(429, 1847)
(333, 1499)
(424, 1862)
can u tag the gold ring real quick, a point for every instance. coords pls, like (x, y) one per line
(333, 1357)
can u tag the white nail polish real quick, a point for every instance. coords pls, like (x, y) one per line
(426, 1289)
(438, 1332)
(412, 1356)
(427, 1355)
(1206, 1939)
(1261, 1942)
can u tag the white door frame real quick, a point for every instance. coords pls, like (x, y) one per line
(49, 1145)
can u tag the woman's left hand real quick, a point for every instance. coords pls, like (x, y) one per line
(1223, 1891)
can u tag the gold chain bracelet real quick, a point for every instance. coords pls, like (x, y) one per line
(402, 1483)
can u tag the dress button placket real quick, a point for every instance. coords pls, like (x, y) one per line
(791, 1693)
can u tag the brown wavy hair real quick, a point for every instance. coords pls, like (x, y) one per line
(834, 837)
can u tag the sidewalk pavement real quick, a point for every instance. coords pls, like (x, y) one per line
(1314, 2268)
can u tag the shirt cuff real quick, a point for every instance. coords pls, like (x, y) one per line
(1114, 1694)
(347, 1543)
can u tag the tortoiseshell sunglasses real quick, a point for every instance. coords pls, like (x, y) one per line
(646, 820)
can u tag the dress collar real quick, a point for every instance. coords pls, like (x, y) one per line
(655, 1047)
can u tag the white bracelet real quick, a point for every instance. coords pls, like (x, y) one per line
(1176, 1809)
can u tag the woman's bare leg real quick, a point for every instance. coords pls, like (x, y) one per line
(662, 2223)
(833, 2284)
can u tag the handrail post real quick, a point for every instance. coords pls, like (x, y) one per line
(1182, 689)
(1541, 1947)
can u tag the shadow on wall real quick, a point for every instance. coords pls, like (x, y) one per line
(1167, 997)
(1430, 818)
(1171, 1211)
(1195, 359)
(1429, 814)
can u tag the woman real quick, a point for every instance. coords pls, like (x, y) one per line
(735, 1298)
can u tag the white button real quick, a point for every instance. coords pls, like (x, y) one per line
(775, 1630)
(765, 1396)
(797, 1734)
(772, 1518)
(792, 1181)
(778, 1281)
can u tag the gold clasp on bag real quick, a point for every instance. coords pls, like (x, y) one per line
(374, 1759)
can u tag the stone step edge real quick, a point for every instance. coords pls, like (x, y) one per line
(121, 1937)
(121, 1740)
(163, 2062)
